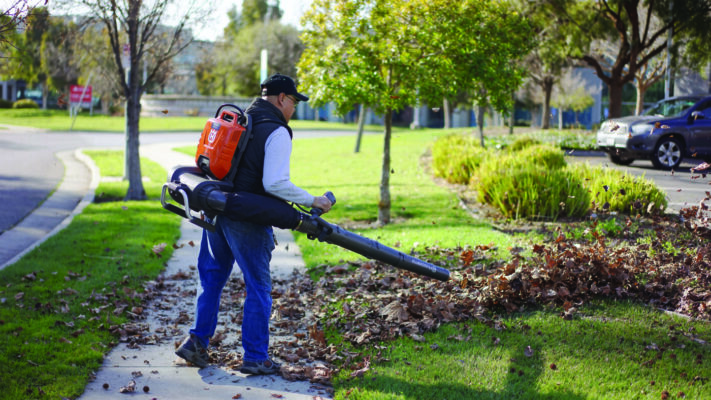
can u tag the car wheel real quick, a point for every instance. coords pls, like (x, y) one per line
(619, 160)
(667, 154)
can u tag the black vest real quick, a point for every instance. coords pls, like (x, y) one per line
(266, 118)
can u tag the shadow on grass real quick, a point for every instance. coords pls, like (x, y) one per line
(520, 383)
(610, 349)
(512, 390)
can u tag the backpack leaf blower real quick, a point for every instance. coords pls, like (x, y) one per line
(203, 196)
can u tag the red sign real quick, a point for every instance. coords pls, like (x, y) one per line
(75, 94)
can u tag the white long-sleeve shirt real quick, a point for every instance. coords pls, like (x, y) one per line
(276, 175)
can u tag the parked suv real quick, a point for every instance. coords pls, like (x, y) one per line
(671, 130)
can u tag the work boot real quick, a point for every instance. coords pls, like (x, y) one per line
(192, 351)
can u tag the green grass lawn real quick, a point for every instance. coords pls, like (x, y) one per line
(59, 120)
(424, 213)
(612, 350)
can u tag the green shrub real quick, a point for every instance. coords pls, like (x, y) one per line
(613, 190)
(523, 142)
(25, 103)
(540, 155)
(568, 139)
(5, 103)
(116, 110)
(531, 183)
(534, 192)
(543, 155)
(455, 157)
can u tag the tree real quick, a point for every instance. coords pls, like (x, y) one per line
(58, 54)
(390, 54)
(241, 59)
(495, 37)
(696, 55)
(547, 59)
(629, 24)
(572, 94)
(133, 27)
(237, 64)
(99, 65)
(257, 10)
(647, 74)
(25, 55)
(14, 16)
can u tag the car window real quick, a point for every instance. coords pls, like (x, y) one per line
(705, 107)
(671, 108)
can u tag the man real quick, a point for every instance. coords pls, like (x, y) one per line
(264, 169)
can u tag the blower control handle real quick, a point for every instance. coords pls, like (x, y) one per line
(329, 195)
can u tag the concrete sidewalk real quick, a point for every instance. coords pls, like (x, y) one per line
(166, 376)
(157, 372)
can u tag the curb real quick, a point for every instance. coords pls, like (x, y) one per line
(39, 225)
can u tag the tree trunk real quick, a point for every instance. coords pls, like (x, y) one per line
(45, 95)
(132, 157)
(512, 117)
(384, 204)
(560, 119)
(546, 113)
(361, 124)
(447, 114)
(639, 106)
(615, 90)
(415, 124)
(480, 123)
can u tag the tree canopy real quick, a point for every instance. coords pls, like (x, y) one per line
(628, 23)
(234, 68)
(24, 56)
(390, 54)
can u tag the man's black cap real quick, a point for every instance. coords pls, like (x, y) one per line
(279, 83)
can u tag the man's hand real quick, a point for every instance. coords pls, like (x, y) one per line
(322, 203)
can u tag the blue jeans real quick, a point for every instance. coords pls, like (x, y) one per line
(250, 245)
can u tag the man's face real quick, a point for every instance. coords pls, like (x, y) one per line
(290, 103)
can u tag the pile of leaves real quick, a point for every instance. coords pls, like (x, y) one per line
(371, 302)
